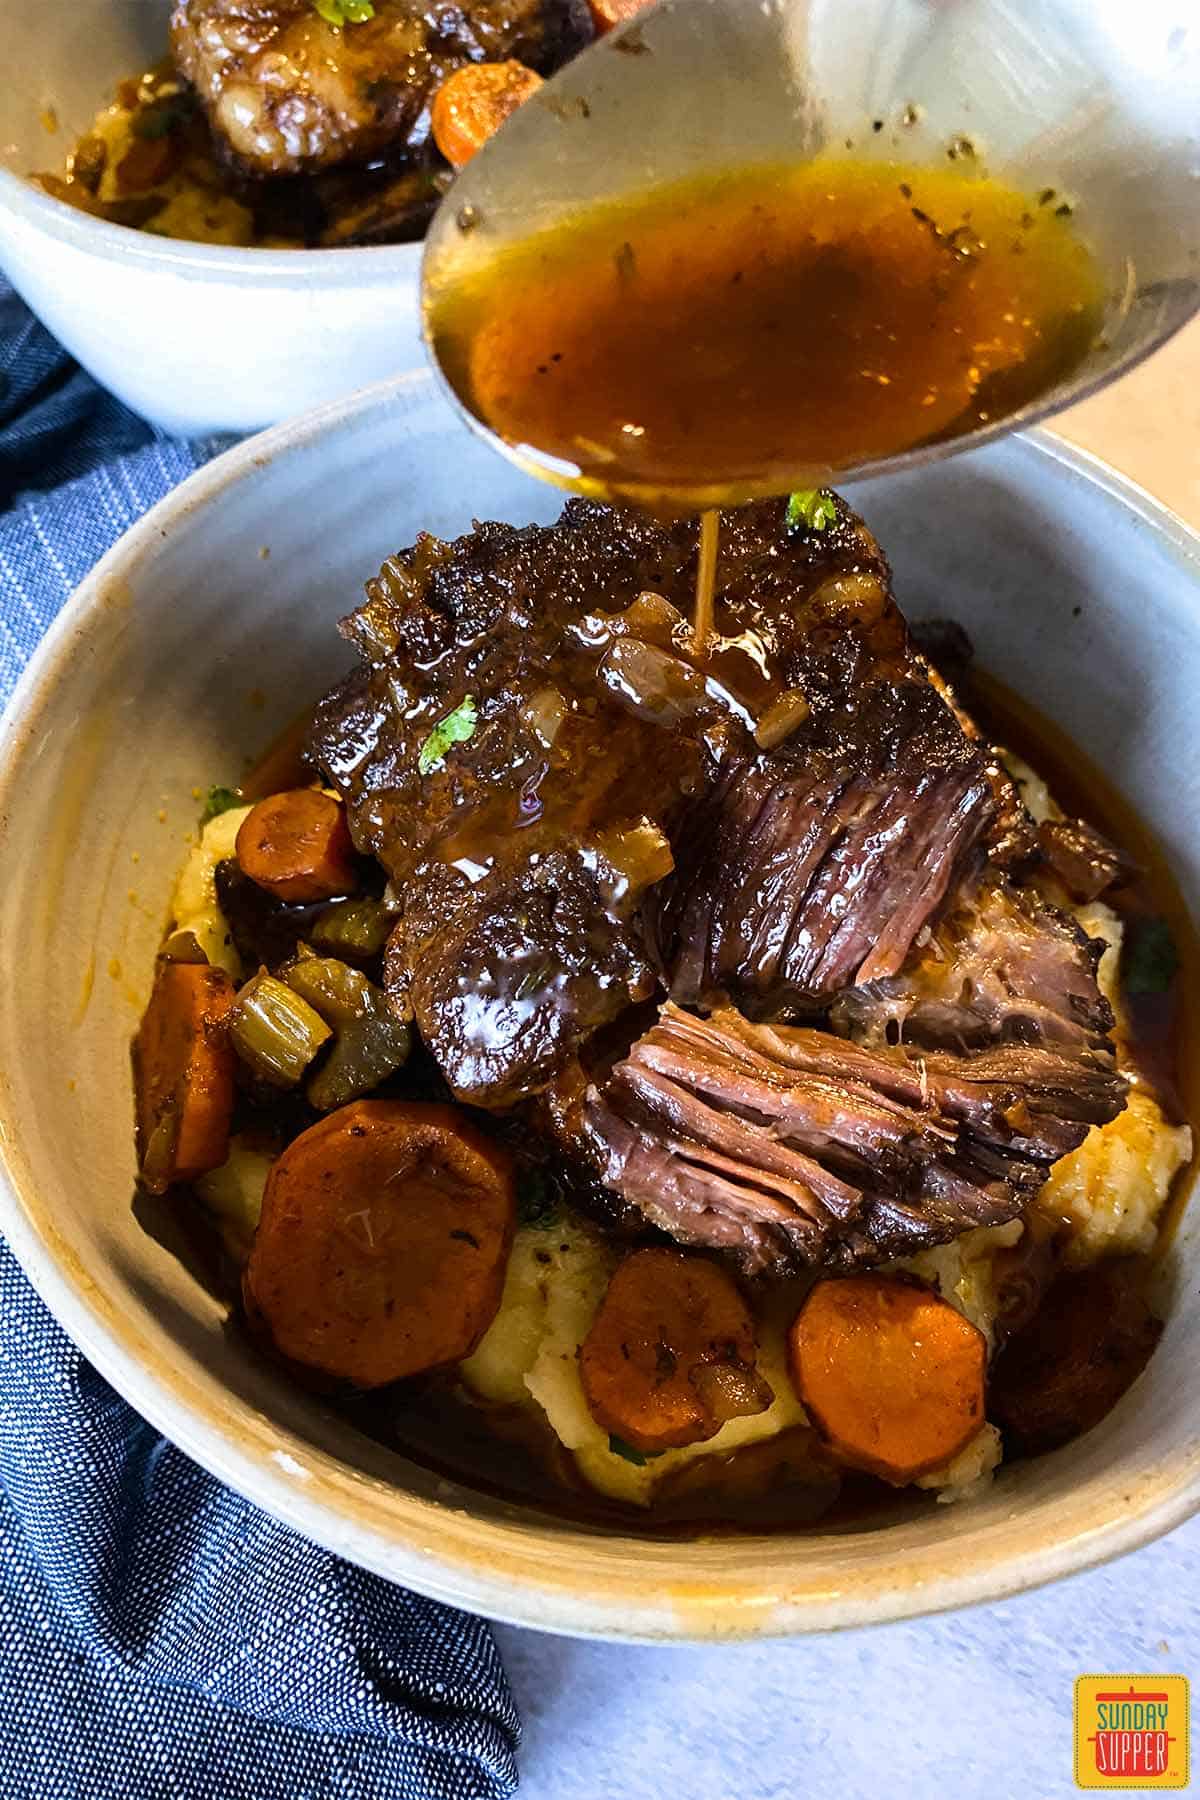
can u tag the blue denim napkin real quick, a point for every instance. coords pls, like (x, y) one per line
(161, 1639)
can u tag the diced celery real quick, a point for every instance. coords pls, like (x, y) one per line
(372, 1043)
(275, 1030)
(356, 928)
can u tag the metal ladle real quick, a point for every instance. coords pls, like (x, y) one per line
(1098, 99)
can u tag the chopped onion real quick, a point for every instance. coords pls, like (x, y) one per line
(862, 597)
(652, 616)
(730, 1390)
(375, 625)
(651, 682)
(544, 713)
(639, 855)
(781, 718)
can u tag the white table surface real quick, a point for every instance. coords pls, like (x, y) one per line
(972, 1705)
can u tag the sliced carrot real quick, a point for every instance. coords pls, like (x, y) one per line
(281, 764)
(607, 13)
(474, 102)
(670, 1354)
(891, 1375)
(297, 846)
(383, 1242)
(183, 1070)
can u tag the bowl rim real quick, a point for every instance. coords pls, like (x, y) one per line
(19, 195)
(503, 1569)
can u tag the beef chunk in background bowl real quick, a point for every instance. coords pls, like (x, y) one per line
(269, 332)
(1011, 544)
(303, 282)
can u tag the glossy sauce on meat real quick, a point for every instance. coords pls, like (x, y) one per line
(731, 339)
(288, 92)
(517, 1458)
(1165, 1028)
(533, 717)
(675, 821)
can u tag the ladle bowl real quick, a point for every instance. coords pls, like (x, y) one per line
(1095, 99)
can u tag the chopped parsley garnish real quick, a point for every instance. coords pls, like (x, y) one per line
(219, 800)
(456, 728)
(1151, 959)
(537, 1200)
(639, 1458)
(814, 507)
(345, 12)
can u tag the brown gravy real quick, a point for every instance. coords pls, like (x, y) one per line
(1165, 1029)
(733, 339)
(514, 1456)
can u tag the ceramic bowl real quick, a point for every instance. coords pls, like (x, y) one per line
(197, 637)
(197, 338)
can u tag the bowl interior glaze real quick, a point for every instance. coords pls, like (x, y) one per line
(62, 64)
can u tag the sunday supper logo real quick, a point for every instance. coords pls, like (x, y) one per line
(1131, 1731)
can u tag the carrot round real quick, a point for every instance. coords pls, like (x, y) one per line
(184, 1072)
(891, 1375)
(670, 1353)
(607, 13)
(383, 1242)
(474, 102)
(297, 846)
(281, 764)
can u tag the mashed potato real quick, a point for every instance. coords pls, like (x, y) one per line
(1111, 1191)
(194, 904)
(556, 1280)
(555, 1283)
(1101, 922)
(970, 1474)
(233, 1195)
(194, 203)
(1032, 789)
(964, 1272)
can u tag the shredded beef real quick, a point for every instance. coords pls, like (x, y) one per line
(790, 1146)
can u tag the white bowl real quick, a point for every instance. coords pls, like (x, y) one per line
(197, 338)
(1078, 590)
